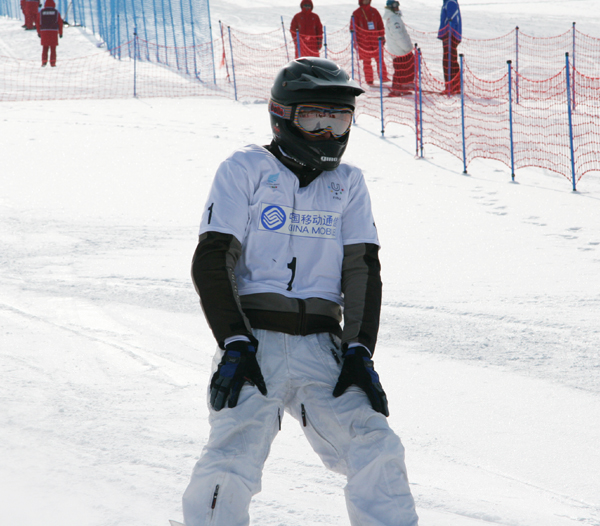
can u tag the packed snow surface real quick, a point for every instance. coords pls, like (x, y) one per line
(489, 346)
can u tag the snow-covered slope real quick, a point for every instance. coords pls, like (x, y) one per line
(489, 347)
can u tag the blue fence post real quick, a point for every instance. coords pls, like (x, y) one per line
(212, 48)
(144, 18)
(196, 73)
(164, 26)
(416, 83)
(352, 49)
(175, 44)
(421, 102)
(325, 40)
(115, 31)
(573, 83)
(355, 43)
(570, 125)
(517, 66)
(285, 40)
(185, 53)
(154, 14)
(135, 62)
(232, 63)
(449, 59)
(127, 33)
(298, 51)
(462, 112)
(381, 83)
(510, 117)
(94, 21)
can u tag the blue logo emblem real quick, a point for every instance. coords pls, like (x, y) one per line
(273, 178)
(273, 217)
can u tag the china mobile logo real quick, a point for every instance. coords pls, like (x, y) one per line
(273, 217)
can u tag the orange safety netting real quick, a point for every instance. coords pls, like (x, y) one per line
(524, 122)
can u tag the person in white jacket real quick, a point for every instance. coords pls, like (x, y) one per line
(287, 252)
(399, 45)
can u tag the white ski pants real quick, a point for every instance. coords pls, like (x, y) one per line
(349, 436)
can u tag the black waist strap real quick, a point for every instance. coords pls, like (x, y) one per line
(296, 323)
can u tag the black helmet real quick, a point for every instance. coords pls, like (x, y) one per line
(310, 80)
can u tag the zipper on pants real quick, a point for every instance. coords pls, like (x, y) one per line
(214, 499)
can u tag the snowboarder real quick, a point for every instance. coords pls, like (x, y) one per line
(306, 26)
(450, 33)
(287, 250)
(399, 44)
(49, 28)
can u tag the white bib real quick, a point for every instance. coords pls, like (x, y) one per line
(292, 238)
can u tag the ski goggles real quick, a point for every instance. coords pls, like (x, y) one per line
(318, 119)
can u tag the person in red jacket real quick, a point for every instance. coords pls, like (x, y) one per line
(308, 26)
(49, 28)
(30, 10)
(368, 27)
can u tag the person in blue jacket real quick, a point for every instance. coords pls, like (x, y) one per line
(450, 33)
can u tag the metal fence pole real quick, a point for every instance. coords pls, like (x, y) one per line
(196, 74)
(285, 39)
(517, 65)
(135, 62)
(381, 83)
(352, 50)
(212, 47)
(462, 112)
(298, 51)
(510, 117)
(570, 125)
(421, 101)
(573, 69)
(415, 83)
(449, 59)
(232, 63)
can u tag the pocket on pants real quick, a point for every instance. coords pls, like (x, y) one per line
(326, 350)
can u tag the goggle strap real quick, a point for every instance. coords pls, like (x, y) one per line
(285, 112)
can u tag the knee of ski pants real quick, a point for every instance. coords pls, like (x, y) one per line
(380, 495)
(372, 441)
(346, 432)
(240, 438)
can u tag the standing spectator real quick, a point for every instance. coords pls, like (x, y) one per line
(450, 33)
(288, 247)
(24, 10)
(308, 25)
(30, 10)
(368, 27)
(399, 44)
(49, 28)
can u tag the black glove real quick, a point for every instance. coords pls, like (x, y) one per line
(358, 370)
(237, 367)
